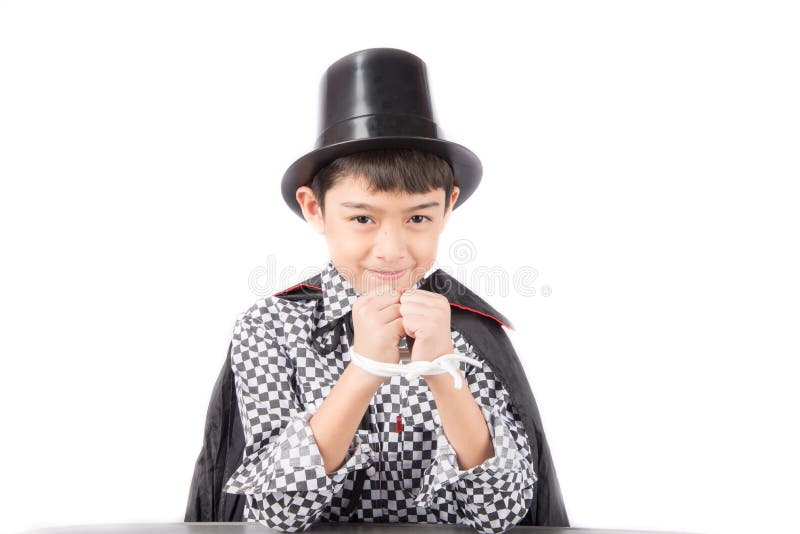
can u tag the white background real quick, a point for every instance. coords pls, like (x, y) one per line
(641, 156)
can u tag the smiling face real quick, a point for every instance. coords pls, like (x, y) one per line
(372, 231)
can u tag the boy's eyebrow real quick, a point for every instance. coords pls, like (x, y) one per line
(364, 206)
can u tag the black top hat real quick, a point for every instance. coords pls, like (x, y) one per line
(378, 98)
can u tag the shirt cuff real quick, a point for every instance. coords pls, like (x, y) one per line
(506, 471)
(293, 463)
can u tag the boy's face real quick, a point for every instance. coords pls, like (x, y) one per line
(368, 232)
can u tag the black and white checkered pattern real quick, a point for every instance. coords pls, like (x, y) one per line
(412, 476)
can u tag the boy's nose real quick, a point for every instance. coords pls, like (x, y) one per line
(390, 246)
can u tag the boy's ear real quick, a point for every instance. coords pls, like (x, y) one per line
(311, 209)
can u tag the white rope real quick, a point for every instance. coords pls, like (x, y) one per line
(446, 363)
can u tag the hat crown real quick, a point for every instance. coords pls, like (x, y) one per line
(375, 92)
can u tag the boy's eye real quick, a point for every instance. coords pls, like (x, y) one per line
(360, 218)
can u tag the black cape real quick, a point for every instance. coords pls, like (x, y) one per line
(482, 327)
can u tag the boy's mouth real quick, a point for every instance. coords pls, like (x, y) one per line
(387, 275)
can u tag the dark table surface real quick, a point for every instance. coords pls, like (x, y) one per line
(251, 528)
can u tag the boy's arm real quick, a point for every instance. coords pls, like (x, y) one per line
(337, 418)
(283, 473)
(493, 480)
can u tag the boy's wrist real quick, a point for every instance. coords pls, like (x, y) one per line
(371, 381)
(441, 381)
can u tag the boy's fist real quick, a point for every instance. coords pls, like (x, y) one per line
(378, 325)
(426, 318)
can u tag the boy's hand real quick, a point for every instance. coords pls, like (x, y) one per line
(378, 325)
(426, 318)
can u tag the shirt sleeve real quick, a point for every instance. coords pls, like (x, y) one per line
(282, 473)
(496, 495)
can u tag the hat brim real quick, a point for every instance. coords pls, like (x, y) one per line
(467, 168)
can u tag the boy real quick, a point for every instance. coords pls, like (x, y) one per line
(326, 436)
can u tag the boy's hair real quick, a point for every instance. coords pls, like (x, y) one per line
(404, 170)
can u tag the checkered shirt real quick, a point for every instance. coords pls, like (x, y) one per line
(411, 475)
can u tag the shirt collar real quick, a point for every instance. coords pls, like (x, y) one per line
(338, 295)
